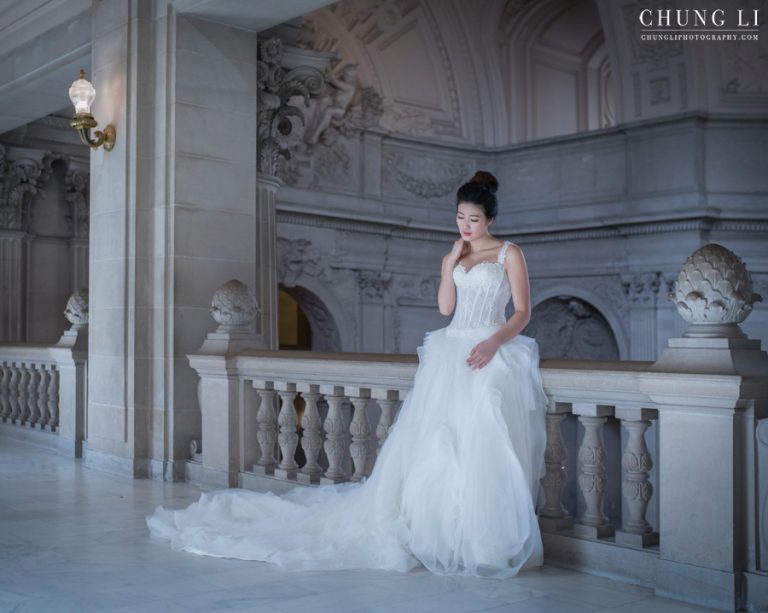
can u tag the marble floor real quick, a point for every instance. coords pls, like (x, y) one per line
(74, 539)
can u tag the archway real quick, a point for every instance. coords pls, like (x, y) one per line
(567, 327)
(309, 324)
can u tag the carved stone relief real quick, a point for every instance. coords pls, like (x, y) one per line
(569, 328)
(642, 288)
(20, 179)
(421, 176)
(373, 284)
(276, 87)
(364, 22)
(323, 153)
(416, 289)
(76, 184)
(298, 257)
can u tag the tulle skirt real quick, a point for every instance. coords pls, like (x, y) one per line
(453, 488)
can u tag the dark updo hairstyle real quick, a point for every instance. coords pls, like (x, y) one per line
(480, 190)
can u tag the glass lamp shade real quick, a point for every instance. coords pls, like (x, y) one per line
(82, 94)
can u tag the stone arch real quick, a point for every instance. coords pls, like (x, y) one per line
(608, 311)
(326, 333)
(557, 50)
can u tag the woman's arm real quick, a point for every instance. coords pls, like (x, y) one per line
(446, 293)
(517, 273)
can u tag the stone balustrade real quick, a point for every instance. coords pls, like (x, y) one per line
(43, 388)
(29, 387)
(670, 441)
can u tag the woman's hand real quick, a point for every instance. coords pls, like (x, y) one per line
(482, 353)
(460, 248)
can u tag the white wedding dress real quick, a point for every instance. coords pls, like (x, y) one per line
(453, 487)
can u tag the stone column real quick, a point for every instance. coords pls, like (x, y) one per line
(12, 285)
(173, 216)
(266, 258)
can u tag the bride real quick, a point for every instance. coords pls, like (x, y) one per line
(455, 482)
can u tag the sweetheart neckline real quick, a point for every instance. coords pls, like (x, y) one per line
(466, 272)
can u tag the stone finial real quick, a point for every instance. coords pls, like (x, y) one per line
(76, 310)
(234, 307)
(714, 287)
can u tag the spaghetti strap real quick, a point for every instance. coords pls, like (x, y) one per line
(502, 252)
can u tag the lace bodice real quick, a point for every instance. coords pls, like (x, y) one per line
(482, 293)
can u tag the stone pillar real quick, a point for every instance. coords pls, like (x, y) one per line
(222, 396)
(708, 425)
(71, 356)
(266, 258)
(12, 284)
(173, 216)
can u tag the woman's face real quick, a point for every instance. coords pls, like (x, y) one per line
(471, 220)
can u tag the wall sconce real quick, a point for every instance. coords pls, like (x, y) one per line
(82, 93)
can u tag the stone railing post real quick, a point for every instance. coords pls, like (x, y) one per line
(707, 429)
(68, 382)
(334, 445)
(592, 477)
(312, 439)
(552, 515)
(636, 487)
(221, 393)
(360, 430)
(288, 439)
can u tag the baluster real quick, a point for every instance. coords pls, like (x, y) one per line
(636, 489)
(387, 400)
(360, 430)
(552, 515)
(22, 395)
(13, 393)
(53, 399)
(267, 428)
(34, 381)
(5, 405)
(334, 435)
(288, 439)
(42, 397)
(592, 479)
(311, 438)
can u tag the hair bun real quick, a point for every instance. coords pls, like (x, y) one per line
(487, 180)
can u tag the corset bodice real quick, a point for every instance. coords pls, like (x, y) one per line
(482, 293)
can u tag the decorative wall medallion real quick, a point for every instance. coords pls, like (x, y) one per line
(424, 177)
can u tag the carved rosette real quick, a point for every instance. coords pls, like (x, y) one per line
(76, 310)
(234, 307)
(714, 287)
